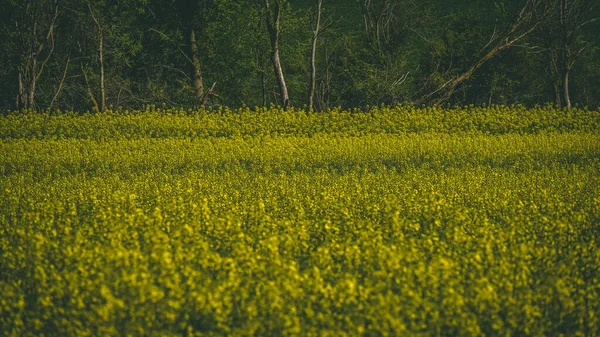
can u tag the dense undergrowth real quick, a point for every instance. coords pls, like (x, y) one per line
(396, 222)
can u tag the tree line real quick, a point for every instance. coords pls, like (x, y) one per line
(84, 54)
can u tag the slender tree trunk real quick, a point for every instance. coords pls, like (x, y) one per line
(364, 8)
(60, 84)
(283, 92)
(33, 82)
(21, 100)
(313, 54)
(263, 83)
(566, 89)
(102, 105)
(33, 69)
(555, 76)
(101, 60)
(557, 98)
(274, 28)
(566, 52)
(89, 90)
(198, 81)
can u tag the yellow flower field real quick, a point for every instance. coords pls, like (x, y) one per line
(393, 222)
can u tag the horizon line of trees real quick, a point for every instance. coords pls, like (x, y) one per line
(84, 54)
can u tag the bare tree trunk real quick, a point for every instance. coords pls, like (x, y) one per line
(369, 18)
(89, 90)
(264, 88)
(33, 83)
(566, 51)
(21, 97)
(557, 98)
(33, 70)
(210, 92)
(100, 59)
(274, 28)
(466, 75)
(283, 92)
(365, 8)
(313, 66)
(60, 84)
(573, 16)
(554, 73)
(566, 89)
(198, 82)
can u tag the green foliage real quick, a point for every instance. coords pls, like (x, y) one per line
(368, 53)
(414, 222)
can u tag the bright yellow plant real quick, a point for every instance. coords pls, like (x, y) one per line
(393, 222)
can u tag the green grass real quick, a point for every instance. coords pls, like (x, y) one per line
(397, 222)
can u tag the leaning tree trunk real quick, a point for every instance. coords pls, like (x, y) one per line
(89, 89)
(274, 28)
(60, 83)
(523, 25)
(313, 53)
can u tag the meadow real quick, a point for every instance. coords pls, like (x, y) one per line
(466, 221)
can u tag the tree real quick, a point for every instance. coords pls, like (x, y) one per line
(178, 25)
(93, 54)
(273, 20)
(573, 15)
(188, 10)
(531, 15)
(35, 23)
(100, 29)
(313, 53)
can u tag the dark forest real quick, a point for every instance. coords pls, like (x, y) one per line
(94, 55)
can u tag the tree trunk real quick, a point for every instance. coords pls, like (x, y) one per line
(101, 60)
(21, 100)
(566, 89)
(263, 83)
(33, 81)
(60, 84)
(274, 28)
(449, 87)
(30, 70)
(555, 76)
(89, 90)
(283, 92)
(313, 66)
(520, 28)
(566, 51)
(198, 82)
(557, 98)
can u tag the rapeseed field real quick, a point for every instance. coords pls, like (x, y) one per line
(466, 221)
